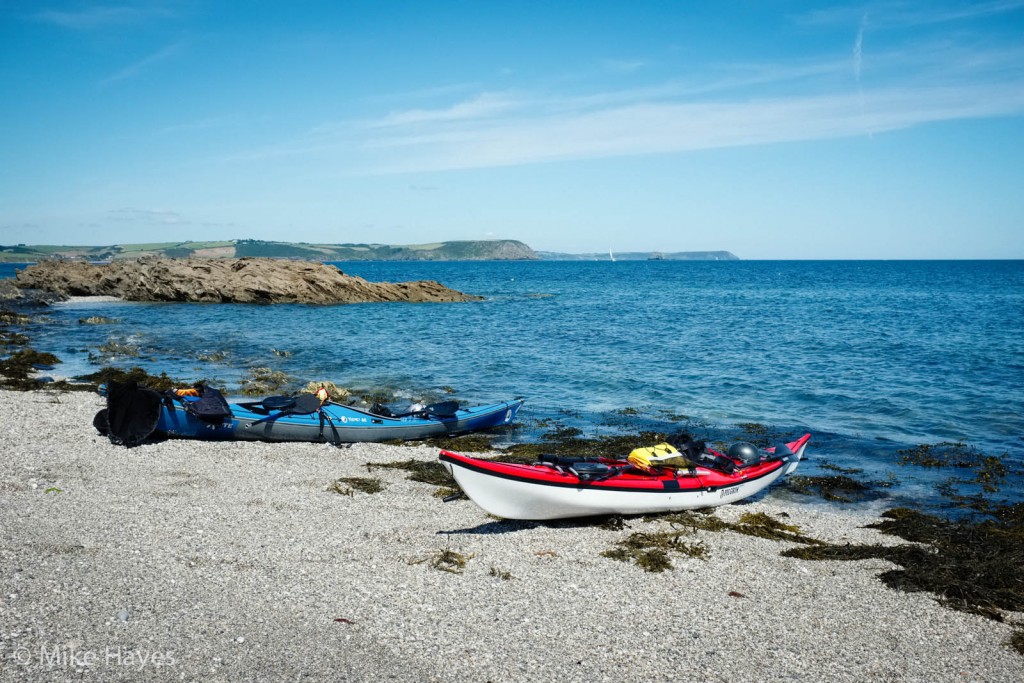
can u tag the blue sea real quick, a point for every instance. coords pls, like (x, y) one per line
(871, 357)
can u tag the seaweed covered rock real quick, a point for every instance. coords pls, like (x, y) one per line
(246, 280)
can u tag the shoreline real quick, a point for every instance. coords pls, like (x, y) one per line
(233, 561)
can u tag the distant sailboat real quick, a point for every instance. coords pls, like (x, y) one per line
(611, 256)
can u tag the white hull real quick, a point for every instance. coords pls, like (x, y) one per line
(510, 498)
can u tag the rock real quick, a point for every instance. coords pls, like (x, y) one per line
(246, 280)
(8, 290)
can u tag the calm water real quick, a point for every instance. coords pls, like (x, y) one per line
(871, 357)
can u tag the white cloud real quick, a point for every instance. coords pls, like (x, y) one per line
(139, 67)
(912, 83)
(102, 16)
(147, 216)
(901, 14)
(484, 105)
(645, 128)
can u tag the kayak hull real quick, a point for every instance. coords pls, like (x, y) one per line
(336, 424)
(539, 492)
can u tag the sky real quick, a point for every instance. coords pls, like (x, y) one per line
(774, 129)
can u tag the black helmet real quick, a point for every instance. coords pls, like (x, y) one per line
(746, 453)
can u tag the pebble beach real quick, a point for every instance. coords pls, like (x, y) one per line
(235, 561)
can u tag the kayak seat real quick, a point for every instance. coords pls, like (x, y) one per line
(724, 464)
(553, 460)
(277, 402)
(591, 468)
(587, 469)
(304, 405)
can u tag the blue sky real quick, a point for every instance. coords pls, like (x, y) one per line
(773, 129)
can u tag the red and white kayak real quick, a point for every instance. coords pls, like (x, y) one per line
(560, 489)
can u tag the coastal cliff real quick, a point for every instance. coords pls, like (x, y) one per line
(247, 280)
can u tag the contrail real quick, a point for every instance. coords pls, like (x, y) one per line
(858, 59)
(858, 48)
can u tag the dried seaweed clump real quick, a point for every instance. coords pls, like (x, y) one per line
(446, 560)
(501, 574)
(650, 551)
(757, 524)
(347, 486)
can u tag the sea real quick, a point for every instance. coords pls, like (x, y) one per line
(876, 359)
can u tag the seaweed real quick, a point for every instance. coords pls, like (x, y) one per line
(756, 433)
(16, 371)
(761, 435)
(704, 520)
(466, 443)
(764, 526)
(611, 522)
(449, 493)
(346, 486)
(841, 470)
(159, 382)
(836, 487)
(425, 471)
(972, 565)
(446, 560)
(650, 551)
(674, 417)
(1017, 640)
(757, 524)
(501, 574)
(990, 471)
(945, 454)
(569, 441)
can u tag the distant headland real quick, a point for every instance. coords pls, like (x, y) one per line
(462, 250)
(641, 256)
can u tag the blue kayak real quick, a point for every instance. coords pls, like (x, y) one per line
(285, 419)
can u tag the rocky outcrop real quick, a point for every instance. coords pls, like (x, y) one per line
(247, 280)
